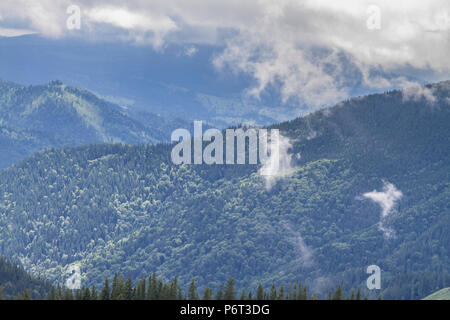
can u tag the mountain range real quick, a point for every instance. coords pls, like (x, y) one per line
(368, 185)
(169, 82)
(33, 118)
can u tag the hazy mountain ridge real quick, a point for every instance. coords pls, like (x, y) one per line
(167, 82)
(128, 209)
(33, 118)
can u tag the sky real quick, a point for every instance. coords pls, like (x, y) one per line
(313, 52)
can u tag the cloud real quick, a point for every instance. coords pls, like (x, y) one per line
(417, 93)
(137, 23)
(11, 32)
(304, 252)
(44, 16)
(279, 163)
(314, 53)
(387, 200)
(311, 49)
(190, 51)
(274, 62)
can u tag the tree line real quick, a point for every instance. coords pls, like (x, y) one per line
(155, 288)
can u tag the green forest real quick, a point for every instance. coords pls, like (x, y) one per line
(121, 209)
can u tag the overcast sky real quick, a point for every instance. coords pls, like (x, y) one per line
(315, 51)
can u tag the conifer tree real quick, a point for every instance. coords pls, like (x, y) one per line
(52, 293)
(300, 292)
(292, 291)
(305, 293)
(219, 295)
(86, 293)
(281, 293)
(94, 294)
(105, 294)
(207, 294)
(127, 290)
(229, 293)
(358, 294)
(174, 289)
(338, 293)
(152, 287)
(273, 292)
(68, 294)
(78, 294)
(140, 290)
(117, 287)
(59, 294)
(165, 292)
(260, 293)
(192, 294)
(25, 295)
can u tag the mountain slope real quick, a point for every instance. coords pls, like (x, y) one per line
(54, 115)
(128, 209)
(14, 281)
(443, 294)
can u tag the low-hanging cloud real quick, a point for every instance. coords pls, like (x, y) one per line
(417, 93)
(386, 199)
(303, 251)
(279, 163)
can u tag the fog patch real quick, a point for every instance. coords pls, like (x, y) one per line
(303, 251)
(279, 163)
(417, 93)
(387, 200)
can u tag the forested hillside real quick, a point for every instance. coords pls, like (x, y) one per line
(33, 118)
(14, 281)
(127, 209)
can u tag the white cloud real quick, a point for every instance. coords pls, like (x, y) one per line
(417, 93)
(387, 200)
(279, 163)
(11, 32)
(136, 22)
(309, 48)
(314, 51)
(190, 51)
(44, 16)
